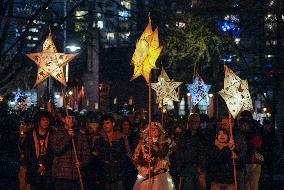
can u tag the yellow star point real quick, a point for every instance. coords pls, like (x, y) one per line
(146, 53)
(235, 93)
(50, 62)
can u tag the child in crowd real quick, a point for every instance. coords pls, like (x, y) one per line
(221, 170)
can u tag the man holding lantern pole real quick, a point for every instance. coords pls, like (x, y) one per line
(71, 153)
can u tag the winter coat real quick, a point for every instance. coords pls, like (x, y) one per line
(191, 153)
(64, 157)
(113, 159)
(220, 165)
(30, 159)
(255, 146)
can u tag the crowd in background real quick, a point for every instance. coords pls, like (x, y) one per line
(115, 152)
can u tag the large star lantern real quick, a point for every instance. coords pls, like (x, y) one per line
(235, 93)
(146, 53)
(199, 91)
(50, 62)
(165, 88)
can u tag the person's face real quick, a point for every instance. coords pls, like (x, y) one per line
(43, 122)
(108, 125)
(93, 128)
(178, 130)
(125, 127)
(69, 121)
(194, 122)
(222, 137)
(155, 131)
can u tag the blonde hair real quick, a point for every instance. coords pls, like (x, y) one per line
(162, 134)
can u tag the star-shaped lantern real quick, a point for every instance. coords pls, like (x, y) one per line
(50, 62)
(235, 93)
(146, 53)
(199, 91)
(165, 88)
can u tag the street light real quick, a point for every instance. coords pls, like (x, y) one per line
(72, 48)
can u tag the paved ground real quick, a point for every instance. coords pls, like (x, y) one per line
(9, 178)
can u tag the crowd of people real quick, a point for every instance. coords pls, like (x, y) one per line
(106, 152)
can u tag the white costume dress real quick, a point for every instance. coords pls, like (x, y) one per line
(160, 178)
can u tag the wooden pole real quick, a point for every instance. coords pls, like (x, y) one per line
(77, 163)
(234, 160)
(150, 129)
(162, 114)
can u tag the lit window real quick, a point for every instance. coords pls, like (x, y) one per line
(110, 36)
(124, 14)
(237, 40)
(80, 14)
(100, 24)
(35, 38)
(269, 56)
(31, 45)
(124, 36)
(126, 4)
(180, 24)
(178, 11)
(29, 37)
(99, 15)
(271, 42)
(33, 30)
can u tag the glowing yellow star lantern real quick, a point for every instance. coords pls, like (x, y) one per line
(146, 53)
(49, 62)
(165, 88)
(235, 93)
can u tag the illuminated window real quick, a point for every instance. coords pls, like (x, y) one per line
(35, 38)
(124, 14)
(126, 4)
(100, 24)
(124, 36)
(269, 56)
(80, 14)
(110, 36)
(31, 45)
(33, 30)
(180, 24)
(29, 37)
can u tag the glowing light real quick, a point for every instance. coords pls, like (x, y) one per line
(73, 48)
(57, 96)
(188, 94)
(264, 109)
(210, 95)
(70, 92)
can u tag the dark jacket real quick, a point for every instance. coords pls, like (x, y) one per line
(32, 162)
(255, 145)
(113, 159)
(64, 157)
(191, 152)
(241, 148)
(220, 164)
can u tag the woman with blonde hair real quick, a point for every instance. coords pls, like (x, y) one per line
(151, 159)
